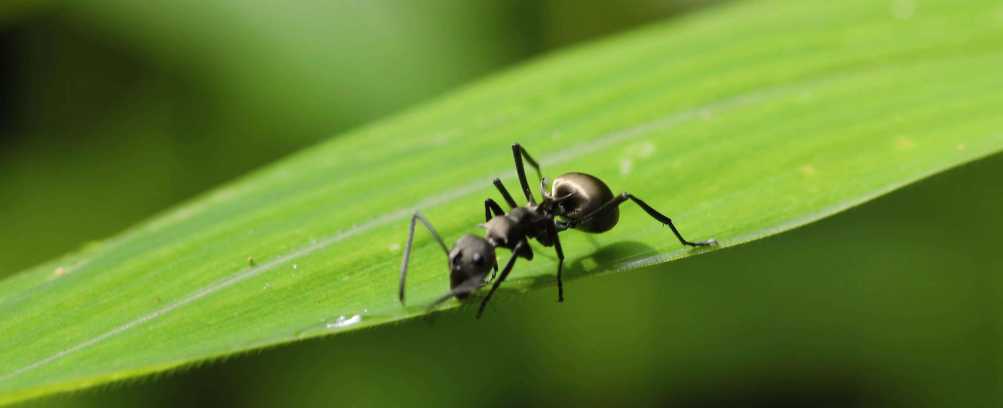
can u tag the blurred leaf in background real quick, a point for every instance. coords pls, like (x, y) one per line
(115, 109)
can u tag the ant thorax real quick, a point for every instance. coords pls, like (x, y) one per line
(517, 225)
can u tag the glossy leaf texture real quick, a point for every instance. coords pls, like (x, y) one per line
(739, 122)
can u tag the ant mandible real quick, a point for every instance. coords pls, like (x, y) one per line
(585, 202)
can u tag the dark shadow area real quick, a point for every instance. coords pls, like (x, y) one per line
(826, 386)
(605, 259)
(9, 84)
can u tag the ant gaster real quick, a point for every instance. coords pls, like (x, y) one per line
(581, 201)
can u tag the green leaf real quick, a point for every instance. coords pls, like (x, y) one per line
(739, 122)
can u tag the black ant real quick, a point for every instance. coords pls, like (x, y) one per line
(585, 202)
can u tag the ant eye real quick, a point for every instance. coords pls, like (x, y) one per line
(478, 260)
(458, 259)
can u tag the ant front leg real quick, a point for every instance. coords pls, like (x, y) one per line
(504, 274)
(491, 208)
(504, 192)
(651, 211)
(407, 249)
(519, 153)
(466, 289)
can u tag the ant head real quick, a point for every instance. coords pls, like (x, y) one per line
(472, 257)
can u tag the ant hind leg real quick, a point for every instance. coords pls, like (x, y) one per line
(665, 220)
(519, 153)
(651, 211)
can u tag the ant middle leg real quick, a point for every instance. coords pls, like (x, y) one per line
(651, 211)
(552, 230)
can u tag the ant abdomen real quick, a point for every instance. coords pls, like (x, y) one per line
(587, 194)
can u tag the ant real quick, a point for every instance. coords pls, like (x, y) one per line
(583, 202)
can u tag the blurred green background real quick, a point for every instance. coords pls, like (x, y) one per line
(113, 110)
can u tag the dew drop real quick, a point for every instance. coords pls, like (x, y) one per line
(343, 322)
